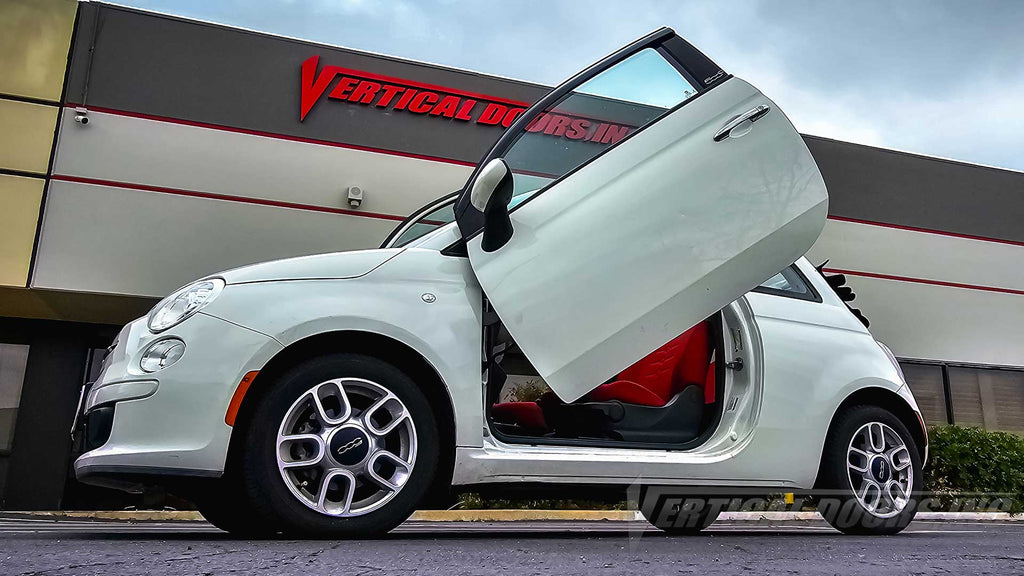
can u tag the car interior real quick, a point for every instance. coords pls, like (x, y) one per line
(668, 399)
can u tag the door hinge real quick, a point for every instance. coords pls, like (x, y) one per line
(736, 364)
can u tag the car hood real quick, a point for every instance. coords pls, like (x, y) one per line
(336, 265)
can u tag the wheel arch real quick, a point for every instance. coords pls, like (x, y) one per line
(385, 348)
(885, 399)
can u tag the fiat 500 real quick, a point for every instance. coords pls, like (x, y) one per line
(616, 298)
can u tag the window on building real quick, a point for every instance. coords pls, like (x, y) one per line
(987, 398)
(13, 360)
(925, 381)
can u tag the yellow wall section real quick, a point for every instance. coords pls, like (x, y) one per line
(35, 36)
(26, 135)
(19, 197)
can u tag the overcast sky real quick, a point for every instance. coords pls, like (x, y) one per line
(936, 77)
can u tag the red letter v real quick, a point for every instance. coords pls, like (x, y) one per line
(311, 91)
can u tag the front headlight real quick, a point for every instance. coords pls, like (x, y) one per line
(184, 303)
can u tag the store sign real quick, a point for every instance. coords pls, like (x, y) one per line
(395, 94)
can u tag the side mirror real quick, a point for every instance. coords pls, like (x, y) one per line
(491, 194)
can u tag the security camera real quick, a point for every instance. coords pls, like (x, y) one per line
(81, 116)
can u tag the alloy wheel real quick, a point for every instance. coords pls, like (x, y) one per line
(346, 447)
(880, 469)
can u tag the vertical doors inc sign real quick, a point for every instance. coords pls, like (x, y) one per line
(358, 87)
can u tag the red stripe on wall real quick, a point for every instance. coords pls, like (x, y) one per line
(396, 218)
(472, 165)
(212, 196)
(924, 281)
(926, 230)
(276, 136)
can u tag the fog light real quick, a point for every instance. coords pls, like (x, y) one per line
(162, 354)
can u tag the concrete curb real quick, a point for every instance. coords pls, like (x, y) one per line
(525, 515)
(121, 515)
(508, 516)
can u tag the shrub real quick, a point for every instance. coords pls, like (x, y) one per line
(971, 461)
(529, 391)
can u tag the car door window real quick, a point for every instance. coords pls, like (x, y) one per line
(789, 283)
(594, 117)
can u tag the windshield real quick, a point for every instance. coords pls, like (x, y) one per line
(421, 224)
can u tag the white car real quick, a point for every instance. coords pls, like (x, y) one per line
(618, 253)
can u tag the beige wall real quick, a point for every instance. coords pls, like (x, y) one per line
(26, 135)
(20, 197)
(35, 36)
(34, 40)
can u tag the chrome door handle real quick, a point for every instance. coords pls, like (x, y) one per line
(753, 115)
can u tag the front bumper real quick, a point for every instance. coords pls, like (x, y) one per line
(170, 422)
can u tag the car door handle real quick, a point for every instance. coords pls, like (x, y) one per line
(752, 115)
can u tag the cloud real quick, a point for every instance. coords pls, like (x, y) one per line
(941, 79)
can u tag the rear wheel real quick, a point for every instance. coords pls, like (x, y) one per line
(871, 471)
(340, 446)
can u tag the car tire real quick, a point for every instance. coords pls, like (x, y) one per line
(356, 502)
(677, 516)
(223, 504)
(871, 473)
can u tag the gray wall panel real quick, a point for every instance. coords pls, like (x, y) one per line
(170, 67)
(187, 70)
(909, 190)
(117, 241)
(118, 148)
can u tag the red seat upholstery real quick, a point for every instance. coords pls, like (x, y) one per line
(656, 378)
(526, 414)
(651, 381)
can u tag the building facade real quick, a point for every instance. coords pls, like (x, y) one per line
(140, 151)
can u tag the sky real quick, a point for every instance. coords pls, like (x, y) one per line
(935, 77)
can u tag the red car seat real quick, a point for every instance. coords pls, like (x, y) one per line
(524, 414)
(656, 378)
(652, 381)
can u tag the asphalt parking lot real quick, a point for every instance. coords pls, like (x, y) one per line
(73, 547)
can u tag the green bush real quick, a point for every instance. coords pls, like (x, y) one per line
(529, 391)
(971, 461)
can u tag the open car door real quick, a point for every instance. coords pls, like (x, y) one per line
(647, 192)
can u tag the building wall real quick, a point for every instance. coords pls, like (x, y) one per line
(210, 147)
(34, 41)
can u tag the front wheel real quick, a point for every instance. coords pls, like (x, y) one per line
(870, 473)
(344, 445)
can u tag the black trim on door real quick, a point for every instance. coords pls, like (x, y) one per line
(470, 220)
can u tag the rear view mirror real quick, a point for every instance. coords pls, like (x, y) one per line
(491, 193)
